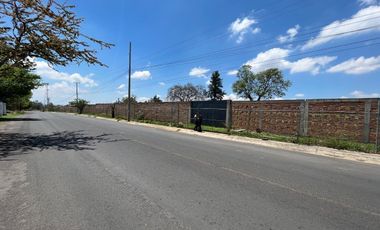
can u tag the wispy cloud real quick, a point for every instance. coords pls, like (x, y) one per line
(277, 58)
(141, 75)
(198, 72)
(368, 2)
(361, 94)
(290, 34)
(232, 72)
(241, 26)
(359, 65)
(122, 86)
(43, 69)
(328, 33)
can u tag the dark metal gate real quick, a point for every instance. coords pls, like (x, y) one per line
(213, 112)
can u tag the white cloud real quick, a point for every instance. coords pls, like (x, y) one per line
(256, 30)
(142, 99)
(312, 65)
(122, 86)
(367, 2)
(276, 58)
(241, 26)
(198, 72)
(360, 94)
(360, 65)
(346, 25)
(43, 69)
(162, 83)
(299, 95)
(59, 92)
(290, 34)
(268, 59)
(232, 72)
(141, 75)
(233, 97)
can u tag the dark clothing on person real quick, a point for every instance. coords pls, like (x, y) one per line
(198, 122)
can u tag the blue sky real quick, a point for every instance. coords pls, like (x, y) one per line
(328, 49)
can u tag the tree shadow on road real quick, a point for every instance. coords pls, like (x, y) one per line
(3, 119)
(20, 143)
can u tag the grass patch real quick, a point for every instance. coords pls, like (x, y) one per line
(316, 141)
(10, 116)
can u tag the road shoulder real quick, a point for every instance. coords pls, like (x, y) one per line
(368, 158)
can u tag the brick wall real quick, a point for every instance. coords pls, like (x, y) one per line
(354, 119)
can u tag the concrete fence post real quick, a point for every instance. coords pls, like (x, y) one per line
(367, 119)
(304, 118)
(261, 114)
(377, 125)
(229, 115)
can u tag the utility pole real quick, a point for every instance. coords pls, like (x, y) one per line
(76, 90)
(47, 94)
(129, 82)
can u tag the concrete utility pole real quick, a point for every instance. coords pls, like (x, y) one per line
(129, 82)
(76, 90)
(47, 94)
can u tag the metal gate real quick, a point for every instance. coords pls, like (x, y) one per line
(214, 113)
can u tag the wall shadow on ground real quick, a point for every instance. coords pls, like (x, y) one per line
(22, 143)
(20, 119)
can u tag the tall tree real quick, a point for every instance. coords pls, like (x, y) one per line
(126, 99)
(155, 99)
(215, 91)
(16, 82)
(45, 29)
(188, 92)
(80, 104)
(264, 85)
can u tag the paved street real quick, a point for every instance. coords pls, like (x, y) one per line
(60, 171)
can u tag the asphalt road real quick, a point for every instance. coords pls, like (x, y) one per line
(60, 171)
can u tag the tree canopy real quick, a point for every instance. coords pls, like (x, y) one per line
(263, 85)
(80, 104)
(43, 29)
(155, 99)
(126, 99)
(16, 82)
(188, 92)
(215, 88)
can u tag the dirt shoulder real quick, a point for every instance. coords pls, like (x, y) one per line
(315, 150)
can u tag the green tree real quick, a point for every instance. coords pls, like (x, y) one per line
(126, 99)
(49, 30)
(155, 99)
(215, 91)
(188, 92)
(17, 83)
(80, 104)
(263, 85)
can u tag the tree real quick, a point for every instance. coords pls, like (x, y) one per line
(43, 29)
(215, 91)
(80, 104)
(126, 99)
(188, 92)
(263, 85)
(16, 82)
(155, 99)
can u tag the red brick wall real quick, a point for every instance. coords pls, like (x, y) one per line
(280, 117)
(342, 119)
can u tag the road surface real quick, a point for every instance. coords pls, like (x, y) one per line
(60, 171)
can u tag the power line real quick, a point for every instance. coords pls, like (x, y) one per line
(272, 61)
(300, 34)
(195, 58)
